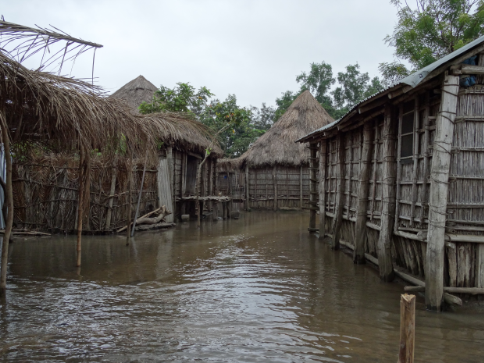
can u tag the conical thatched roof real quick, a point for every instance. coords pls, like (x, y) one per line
(135, 92)
(277, 145)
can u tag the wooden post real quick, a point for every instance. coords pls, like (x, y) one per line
(313, 182)
(139, 196)
(274, 178)
(340, 196)
(8, 199)
(322, 188)
(128, 207)
(84, 169)
(301, 187)
(210, 183)
(444, 134)
(247, 193)
(388, 195)
(111, 197)
(171, 171)
(407, 328)
(363, 189)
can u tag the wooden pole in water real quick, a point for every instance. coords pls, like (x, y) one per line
(389, 169)
(274, 178)
(322, 188)
(247, 194)
(128, 207)
(407, 329)
(340, 180)
(313, 182)
(83, 192)
(8, 199)
(139, 196)
(439, 187)
(301, 187)
(111, 196)
(361, 213)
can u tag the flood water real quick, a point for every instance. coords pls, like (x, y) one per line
(257, 289)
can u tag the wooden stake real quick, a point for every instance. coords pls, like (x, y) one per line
(111, 200)
(128, 207)
(83, 175)
(312, 186)
(8, 199)
(301, 187)
(407, 328)
(388, 195)
(361, 214)
(444, 134)
(340, 180)
(274, 178)
(322, 189)
(247, 194)
(139, 196)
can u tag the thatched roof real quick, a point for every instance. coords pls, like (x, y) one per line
(136, 92)
(277, 145)
(229, 165)
(181, 131)
(43, 107)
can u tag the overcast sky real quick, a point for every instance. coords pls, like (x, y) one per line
(253, 49)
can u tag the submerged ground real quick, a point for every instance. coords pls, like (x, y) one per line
(257, 289)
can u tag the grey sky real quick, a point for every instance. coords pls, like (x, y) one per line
(253, 49)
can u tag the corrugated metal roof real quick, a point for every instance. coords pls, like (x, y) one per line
(413, 80)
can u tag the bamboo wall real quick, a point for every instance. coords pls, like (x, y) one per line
(416, 119)
(46, 195)
(290, 181)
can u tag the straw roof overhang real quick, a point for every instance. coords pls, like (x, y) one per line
(42, 107)
(424, 77)
(182, 132)
(136, 92)
(277, 146)
(227, 165)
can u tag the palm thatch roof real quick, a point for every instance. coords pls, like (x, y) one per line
(136, 92)
(43, 107)
(181, 131)
(277, 145)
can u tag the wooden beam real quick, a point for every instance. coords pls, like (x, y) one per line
(340, 180)
(363, 189)
(388, 195)
(399, 92)
(370, 106)
(312, 185)
(434, 277)
(274, 178)
(322, 188)
(466, 69)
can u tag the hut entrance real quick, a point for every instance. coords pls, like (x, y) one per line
(192, 165)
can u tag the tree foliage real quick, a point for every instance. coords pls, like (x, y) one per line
(430, 30)
(183, 98)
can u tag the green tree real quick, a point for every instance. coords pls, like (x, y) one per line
(236, 139)
(430, 30)
(183, 98)
(318, 81)
(263, 117)
(354, 87)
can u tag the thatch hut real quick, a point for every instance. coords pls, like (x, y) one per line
(275, 168)
(136, 92)
(183, 147)
(402, 178)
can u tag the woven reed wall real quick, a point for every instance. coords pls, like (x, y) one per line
(46, 195)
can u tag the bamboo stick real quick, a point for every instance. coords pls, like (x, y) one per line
(139, 197)
(247, 192)
(9, 200)
(128, 209)
(111, 200)
(312, 186)
(274, 178)
(337, 221)
(301, 187)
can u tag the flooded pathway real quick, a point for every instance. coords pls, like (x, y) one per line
(257, 289)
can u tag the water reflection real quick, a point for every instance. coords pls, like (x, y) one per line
(255, 289)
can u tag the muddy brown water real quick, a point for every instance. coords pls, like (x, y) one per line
(257, 289)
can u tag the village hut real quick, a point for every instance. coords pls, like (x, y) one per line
(275, 168)
(136, 92)
(402, 178)
(182, 149)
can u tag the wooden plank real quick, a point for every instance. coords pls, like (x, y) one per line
(322, 188)
(399, 168)
(388, 195)
(416, 142)
(164, 188)
(301, 195)
(425, 148)
(340, 171)
(363, 189)
(440, 168)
